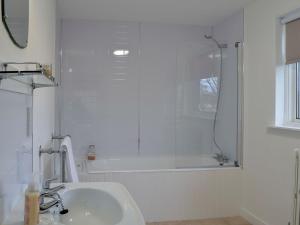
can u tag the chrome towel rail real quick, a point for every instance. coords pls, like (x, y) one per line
(296, 212)
(62, 153)
(59, 137)
(48, 151)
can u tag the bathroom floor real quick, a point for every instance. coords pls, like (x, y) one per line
(220, 221)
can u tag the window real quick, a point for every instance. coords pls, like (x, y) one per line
(288, 76)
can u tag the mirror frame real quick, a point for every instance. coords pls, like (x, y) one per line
(3, 16)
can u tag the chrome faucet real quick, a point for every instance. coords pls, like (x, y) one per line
(48, 190)
(55, 198)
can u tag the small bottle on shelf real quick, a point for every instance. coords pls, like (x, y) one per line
(91, 154)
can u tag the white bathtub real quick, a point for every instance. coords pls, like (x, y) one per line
(165, 193)
(152, 164)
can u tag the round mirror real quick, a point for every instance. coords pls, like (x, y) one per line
(15, 16)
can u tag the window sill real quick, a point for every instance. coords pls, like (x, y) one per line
(287, 127)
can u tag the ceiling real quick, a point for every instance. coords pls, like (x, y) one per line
(196, 12)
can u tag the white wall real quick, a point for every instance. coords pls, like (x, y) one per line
(16, 147)
(268, 153)
(41, 48)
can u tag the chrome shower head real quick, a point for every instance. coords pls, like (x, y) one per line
(214, 40)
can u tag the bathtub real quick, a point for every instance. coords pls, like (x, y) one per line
(148, 164)
(166, 190)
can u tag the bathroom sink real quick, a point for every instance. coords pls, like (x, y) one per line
(99, 204)
(91, 206)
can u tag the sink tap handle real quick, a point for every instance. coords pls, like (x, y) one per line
(47, 182)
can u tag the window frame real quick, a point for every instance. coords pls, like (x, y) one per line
(297, 92)
(291, 96)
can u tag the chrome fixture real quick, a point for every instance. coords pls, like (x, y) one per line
(49, 151)
(219, 156)
(63, 155)
(59, 137)
(240, 99)
(46, 186)
(55, 198)
(214, 40)
(296, 213)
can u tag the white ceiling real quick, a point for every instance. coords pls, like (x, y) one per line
(198, 12)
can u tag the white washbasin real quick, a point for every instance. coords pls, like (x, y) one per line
(98, 204)
(91, 206)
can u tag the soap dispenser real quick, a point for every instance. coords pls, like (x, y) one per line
(32, 204)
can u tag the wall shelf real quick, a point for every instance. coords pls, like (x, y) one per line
(39, 77)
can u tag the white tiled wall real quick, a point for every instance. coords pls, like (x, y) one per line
(161, 46)
(108, 101)
(153, 93)
(100, 91)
